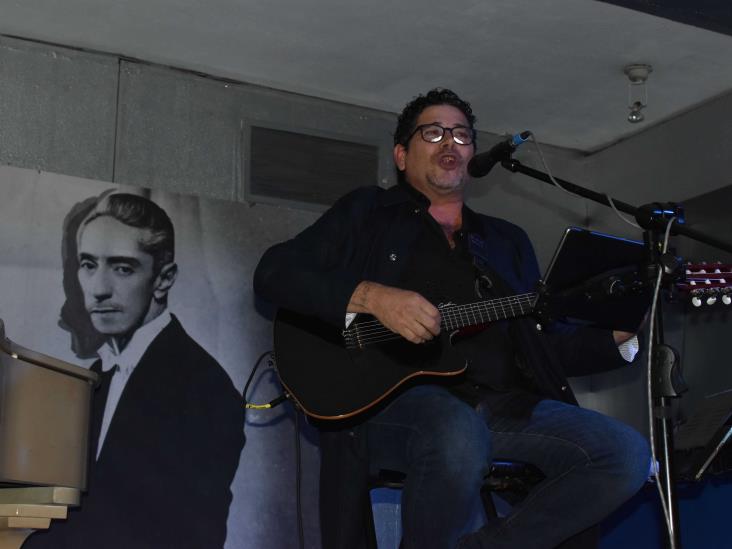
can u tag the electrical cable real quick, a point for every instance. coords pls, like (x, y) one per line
(621, 216)
(298, 451)
(298, 482)
(546, 167)
(556, 184)
(254, 371)
(272, 403)
(649, 382)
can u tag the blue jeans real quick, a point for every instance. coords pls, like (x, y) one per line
(592, 464)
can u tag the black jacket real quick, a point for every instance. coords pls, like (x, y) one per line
(163, 477)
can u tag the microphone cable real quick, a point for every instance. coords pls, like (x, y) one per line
(610, 201)
(649, 388)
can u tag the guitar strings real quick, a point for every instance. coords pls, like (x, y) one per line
(472, 313)
(453, 317)
(468, 312)
(511, 302)
(380, 333)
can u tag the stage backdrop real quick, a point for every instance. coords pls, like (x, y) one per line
(218, 244)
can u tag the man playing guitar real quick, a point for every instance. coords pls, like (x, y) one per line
(397, 254)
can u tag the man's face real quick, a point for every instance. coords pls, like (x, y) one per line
(116, 276)
(436, 168)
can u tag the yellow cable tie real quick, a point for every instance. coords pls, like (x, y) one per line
(257, 406)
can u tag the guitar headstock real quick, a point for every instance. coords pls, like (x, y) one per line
(707, 283)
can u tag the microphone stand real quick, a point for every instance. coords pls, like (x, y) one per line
(666, 382)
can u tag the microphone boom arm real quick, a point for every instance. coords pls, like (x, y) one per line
(644, 215)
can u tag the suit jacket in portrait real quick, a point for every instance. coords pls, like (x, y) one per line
(162, 479)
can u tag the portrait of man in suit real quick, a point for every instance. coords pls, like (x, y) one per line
(167, 422)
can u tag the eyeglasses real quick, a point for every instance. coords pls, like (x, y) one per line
(433, 133)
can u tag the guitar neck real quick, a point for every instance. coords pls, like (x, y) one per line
(455, 317)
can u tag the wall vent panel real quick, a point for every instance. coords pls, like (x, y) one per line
(311, 170)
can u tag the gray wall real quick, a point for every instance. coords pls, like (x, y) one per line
(58, 109)
(102, 117)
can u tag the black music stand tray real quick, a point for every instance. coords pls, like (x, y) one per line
(596, 279)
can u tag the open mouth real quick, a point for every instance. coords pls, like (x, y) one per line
(448, 161)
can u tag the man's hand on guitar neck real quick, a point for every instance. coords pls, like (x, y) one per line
(402, 311)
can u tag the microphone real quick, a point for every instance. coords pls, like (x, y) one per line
(483, 163)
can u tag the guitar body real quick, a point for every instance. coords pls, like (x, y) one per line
(330, 381)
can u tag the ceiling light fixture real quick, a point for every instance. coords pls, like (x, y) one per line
(637, 74)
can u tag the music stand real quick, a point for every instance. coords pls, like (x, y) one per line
(595, 279)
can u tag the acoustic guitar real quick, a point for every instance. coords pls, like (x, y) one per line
(335, 374)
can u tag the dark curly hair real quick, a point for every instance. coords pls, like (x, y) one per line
(438, 96)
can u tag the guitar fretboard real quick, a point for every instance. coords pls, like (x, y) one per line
(455, 317)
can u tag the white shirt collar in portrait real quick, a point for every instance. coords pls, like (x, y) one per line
(126, 362)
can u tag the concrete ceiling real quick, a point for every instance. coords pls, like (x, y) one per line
(551, 66)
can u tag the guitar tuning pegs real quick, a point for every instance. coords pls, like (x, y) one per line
(696, 301)
(711, 300)
(726, 299)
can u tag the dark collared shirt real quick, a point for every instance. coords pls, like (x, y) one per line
(444, 274)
